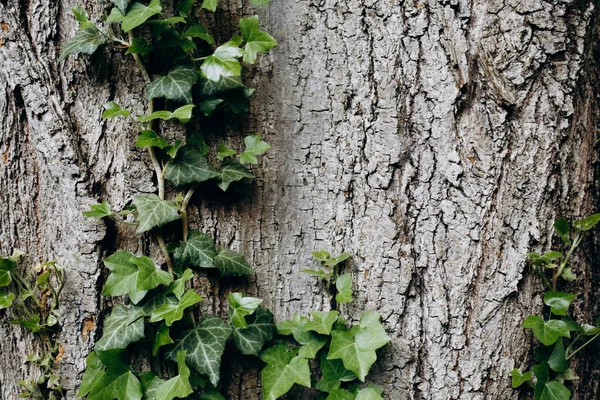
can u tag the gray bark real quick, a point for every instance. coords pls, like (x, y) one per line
(436, 141)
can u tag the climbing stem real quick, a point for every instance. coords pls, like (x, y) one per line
(183, 210)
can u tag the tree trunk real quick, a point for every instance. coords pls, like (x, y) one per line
(434, 140)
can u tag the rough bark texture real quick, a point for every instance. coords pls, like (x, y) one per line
(434, 140)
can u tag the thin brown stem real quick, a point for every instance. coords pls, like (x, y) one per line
(183, 210)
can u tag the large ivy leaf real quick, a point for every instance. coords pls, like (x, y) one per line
(123, 277)
(333, 374)
(204, 346)
(547, 332)
(322, 321)
(149, 276)
(6, 266)
(207, 87)
(254, 147)
(118, 382)
(231, 171)
(519, 378)
(257, 41)
(118, 334)
(150, 384)
(559, 302)
(224, 61)
(250, 340)
(241, 306)
(558, 359)
(86, 41)
(283, 370)
(198, 251)
(189, 166)
(555, 390)
(137, 14)
(153, 212)
(231, 263)
(176, 85)
(178, 386)
(183, 114)
(174, 312)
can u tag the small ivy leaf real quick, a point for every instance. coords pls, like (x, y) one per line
(176, 85)
(572, 326)
(200, 32)
(558, 359)
(337, 260)
(341, 394)
(368, 393)
(568, 275)
(149, 276)
(254, 147)
(534, 256)
(551, 256)
(283, 370)
(198, 140)
(121, 5)
(6, 299)
(86, 41)
(208, 105)
(547, 332)
(333, 374)
(123, 277)
(590, 330)
(559, 302)
(31, 324)
(173, 149)
(177, 287)
(174, 312)
(112, 110)
(260, 2)
(141, 46)
(118, 382)
(231, 171)
(311, 342)
(562, 227)
(223, 152)
(117, 333)
(137, 14)
(289, 326)
(178, 386)
(251, 339)
(99, 210)
(555, 390)
(241, 306)
(162, 338)
(224, 84)
(188, 166)
(153, 212)
(224, 61)
(321, 255)
(568, 375)
(149, 138)
(204, 346)
(145, 308)
(198, 251)
(257, 41)
(210, 5)
(94, 372)
(80, 15)
(322, 321)
(587, 223)
(343, 285)
(231, 263)
(183, 114)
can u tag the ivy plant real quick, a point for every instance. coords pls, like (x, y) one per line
(32, 302)
(559, 335)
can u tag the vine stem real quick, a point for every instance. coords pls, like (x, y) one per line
(582, 346)
(183, 209)
(566, 259)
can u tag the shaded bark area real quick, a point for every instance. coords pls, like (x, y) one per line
(434, 140)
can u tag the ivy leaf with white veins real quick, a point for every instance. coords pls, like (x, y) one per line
(231, 171)
(177, 287)
(178, 386)
(153, 212)
(112, 110)
(240, 306)
(231, 263)
(188, 166)
(117, 333)
(224, 61)
(149, 138)
(149, 276)
(204, 346)
(322, 321)
(174, 312)
(343, 285)
(225, 83)
(250, 340)
(123, 277)
(183, 114)
(254, 147)
(137, 14)
(333, 374)
(198, 251)
(283, 370)
(257, 41)
(86, 41)
(118, 382)
(176, 85)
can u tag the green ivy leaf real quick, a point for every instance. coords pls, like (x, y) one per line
(331, 262)
(189, 166)
(149, 138)
(555, 390)
(121, 5)
(343, 285)
(210, 5)
(562, 227)
(99, 210)
(173, 149)
(137, 14)
(568, 375)
(92, 377)
(117, 333)
(231, 263)
(333, 374)
(547, 332)
(223, 152)
(149, 276)
(260, 2)
(204, 346)
(123, 279)
(147, 307)
(177, 287)
(211, 395)
(6, 265)
(542, 374)
(340, 394)
(118, 382)
(31, 324)
(208, 105)
(371, 333)
(590, 330)
(150, 384)
(231, 171)
(178, 386)
(183, 114)
(174, 312)
(153, 212)
(241, 306)
(141, 46)
(558, 359)
(80, 15)
(224, 84)
(112, 110)
(289, 326)
(224, 61)
(162, 338)
(198, 251)
(311, 342)
(321, 255)
(368, 393)
(251, 339)
(587, 223)
(519, 378)
(551, 256)
(257, 41)
(198, 31)
(176, 85)
(86, 41)
(254, 147)
(6, 299)
(559, 302)
(568, 275)
(322, 321)
(283, 370)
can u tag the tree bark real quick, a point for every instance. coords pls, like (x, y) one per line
(434, 140)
